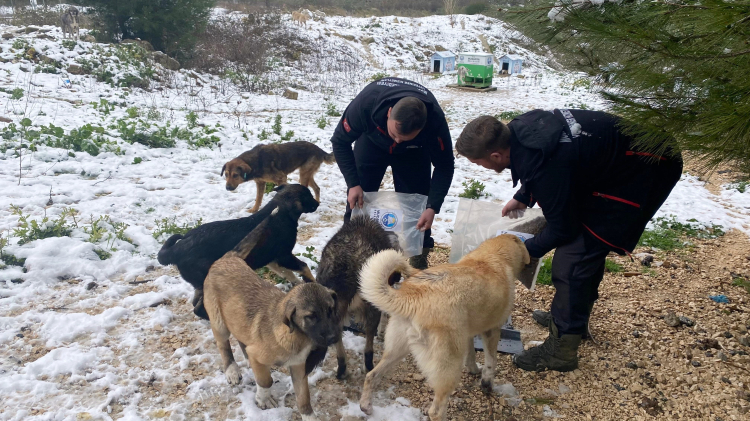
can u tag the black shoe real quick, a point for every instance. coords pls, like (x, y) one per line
(544, 318)
(420, 261)
(558, 354)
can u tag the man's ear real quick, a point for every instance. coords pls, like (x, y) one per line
(289, 311)
(389, 112)
(222, 170)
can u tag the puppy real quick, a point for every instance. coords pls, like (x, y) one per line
(273, 329)
(435, 313)
(273, 163)
(195, 252)
(340, 263)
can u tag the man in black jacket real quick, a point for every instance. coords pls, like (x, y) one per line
(597, 192)
(398, 123)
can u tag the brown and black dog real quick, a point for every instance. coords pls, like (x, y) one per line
(273, 163)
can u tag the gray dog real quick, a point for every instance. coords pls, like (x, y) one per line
(69, 23)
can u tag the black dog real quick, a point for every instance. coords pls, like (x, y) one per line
(340, 263)
(195, 252)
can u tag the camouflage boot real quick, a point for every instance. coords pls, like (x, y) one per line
(556, 353)
(420, 261)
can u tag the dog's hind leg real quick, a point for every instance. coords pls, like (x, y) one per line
(471, 358)
(244, 351)
(396, 348)
(263, 379)
(306, 174)
(440, 361)
(291, 262)
(490, 339)
(221, 334)
(372, 320)
(283, 272)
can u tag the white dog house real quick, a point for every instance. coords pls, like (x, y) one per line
(511, 64)
(442, 62)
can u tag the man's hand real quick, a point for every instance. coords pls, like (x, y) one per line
(425, 221)
(512, 205)
(356, 197)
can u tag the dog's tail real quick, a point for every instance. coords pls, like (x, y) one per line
(378, 275)
(165, 254)
(329, 158)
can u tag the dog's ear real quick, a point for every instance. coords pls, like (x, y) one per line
(246, 170)
(289, 311)
(222, 170)
(335, 297)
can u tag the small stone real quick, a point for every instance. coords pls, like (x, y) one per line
(726, 380)
(75, 69)
(671, 319)
(631, 365)
(418, 377)
(728, 335)
(563, 389)
(636, 334)
(19, 335)
(695, 363)
(8, 35)
(687, 322)
(745, 341)
(720, 355)
(90, 286)
(158, 328)
(288, 93)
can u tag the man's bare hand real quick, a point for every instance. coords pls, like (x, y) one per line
(512, 205)
(356, 197)
(425, 221)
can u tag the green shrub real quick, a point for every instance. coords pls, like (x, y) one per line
(545, 272)
(508, 115)
(31, 230)
(473, 189)
(740, 186)
(612, 266)
(192, 119)
(377, 76)
(322, 122)
(309, 250)
(269, 187)
(288, 135)
(132, 112)
(277, 124)
(740, 282)
(20, 44)
(69, 44)
(668, 234)
(137, 160)
(16, 94)
(331, 110)
(169, 227)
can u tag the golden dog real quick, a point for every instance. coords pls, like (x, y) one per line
(435, 313)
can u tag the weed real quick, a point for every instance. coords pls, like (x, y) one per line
(322, 122)
(740, 186)
(263, 135)
(20, 44)
(309, 250)
(378, 76)
(132, 112)
(288, 135)
(192, 119)
(168, 226)
(277, 124)
(331, 110)
(266, 273)
(16, 94)
(31, 230)
(508, 115)
(669, 234)
(153, 114)
(69, 44)
(545, 272)
(269, 187)
(137, 160)
(473, 189)
(103, 254)
(612, 267)
(742, 283)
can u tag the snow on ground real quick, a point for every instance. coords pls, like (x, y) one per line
(86, 338)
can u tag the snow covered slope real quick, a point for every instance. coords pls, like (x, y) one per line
(89, 328)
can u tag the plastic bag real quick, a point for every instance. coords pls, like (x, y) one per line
(477, 221)
(398, 213)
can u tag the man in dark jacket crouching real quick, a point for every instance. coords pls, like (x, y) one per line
(597, 193)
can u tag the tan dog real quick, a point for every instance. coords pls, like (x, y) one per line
(436, 313)
(273, 163)
(274, 329)
(300, 18)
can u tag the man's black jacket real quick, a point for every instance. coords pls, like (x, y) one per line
(366, 118)
(583, 173)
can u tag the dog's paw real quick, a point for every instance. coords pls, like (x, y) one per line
(366, 407)
(233, 374)
(263, 398)
(473, 369)
(310, 417)
(252, 210)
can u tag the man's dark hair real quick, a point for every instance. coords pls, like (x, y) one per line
(483, 136)
(410, 113)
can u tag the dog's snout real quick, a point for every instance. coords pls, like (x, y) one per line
(332, 338)
(230, 188)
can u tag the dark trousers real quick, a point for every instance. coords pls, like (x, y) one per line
(412, 172)
(578, 267)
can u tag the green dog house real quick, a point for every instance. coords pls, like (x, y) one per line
(475, 69)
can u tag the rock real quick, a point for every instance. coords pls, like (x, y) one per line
(30, 29)
(75, 69)
(563, 389)
(631, 365)
(671, 319)
(48, 60)
(636, 334)
(726, 380)
(695, 363)
(5, 119)
(687, 322)
(90, 286)
(88, 38)
(418, 377)
(745, 341)
(8, 35)
(645, 258)
(368, 40)
(288, 93)
(19, 335)
(728, 335)
(44, 36)
(722, 356)
(142, 43)
(150, 268)
(166, 61)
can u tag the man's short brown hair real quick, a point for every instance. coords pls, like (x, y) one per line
(483, 136)
(410, 113)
